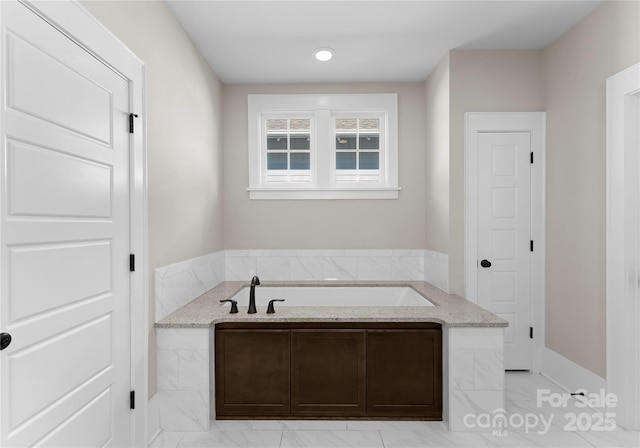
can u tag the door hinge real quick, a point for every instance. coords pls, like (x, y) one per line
(131, 117)
(132, 399)
(530, 332)
(132, 262)
(532, 157)
(531, 245)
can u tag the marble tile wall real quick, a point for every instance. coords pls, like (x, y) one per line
(436, 269)
(177, 284)
(474, 374)
(183, 378)
(298, 265)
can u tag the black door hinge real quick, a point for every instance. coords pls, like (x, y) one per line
(131, 117)
(132, 399)
(531, 245)
(531, 157)
(132, 262)
(530, 332)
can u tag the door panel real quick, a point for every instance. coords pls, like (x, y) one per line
(66, 185)
(504, 234)
(27, 93)
(68, 273)
(252, 372)
(65, 378)
(30, 370)
(415, 388)
(85, 428)
(328, 372)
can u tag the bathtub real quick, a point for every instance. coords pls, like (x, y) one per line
(332, 296)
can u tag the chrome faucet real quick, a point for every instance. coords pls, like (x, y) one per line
(255, 281)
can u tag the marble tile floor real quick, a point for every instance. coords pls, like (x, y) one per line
(521, 393)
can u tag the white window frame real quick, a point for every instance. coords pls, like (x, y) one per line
(312, 148)
(323, 108)
(382, 151)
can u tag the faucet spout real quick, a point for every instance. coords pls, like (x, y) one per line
(255, 281)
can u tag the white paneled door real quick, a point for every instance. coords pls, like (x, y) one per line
(65, 300)
(504, 238)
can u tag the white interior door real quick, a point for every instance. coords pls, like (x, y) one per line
(65, 377)
(504, 237)
(623, 244)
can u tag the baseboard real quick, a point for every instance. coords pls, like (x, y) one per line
(153, 409)
(569, 375)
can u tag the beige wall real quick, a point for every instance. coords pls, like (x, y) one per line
(186, 106)
(575, 69)
(484, 81)
(183, 99)
(437, 95)
(325, 224)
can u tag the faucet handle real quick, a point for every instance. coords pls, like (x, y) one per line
(270, 308)
(234, 305)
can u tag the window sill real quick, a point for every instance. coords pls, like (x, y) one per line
(324, 193)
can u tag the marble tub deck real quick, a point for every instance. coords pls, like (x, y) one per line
(450, 310)
(473, 369)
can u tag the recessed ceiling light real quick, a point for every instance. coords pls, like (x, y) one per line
(323, 54)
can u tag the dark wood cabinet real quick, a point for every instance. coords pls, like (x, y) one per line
(404, 373)
(252, 372)
(329, 370)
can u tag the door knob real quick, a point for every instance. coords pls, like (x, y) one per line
(5, 340)
(485, 263)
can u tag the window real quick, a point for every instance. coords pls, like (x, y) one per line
(288, 149)
(358, 146)
(323, 146)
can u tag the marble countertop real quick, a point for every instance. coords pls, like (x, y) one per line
(450, 310)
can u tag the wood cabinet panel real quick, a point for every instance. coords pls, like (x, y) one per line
(252, 372)
(404, 373)
(306, 370)
(328, 372)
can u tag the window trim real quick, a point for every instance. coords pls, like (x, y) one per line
(323, 107)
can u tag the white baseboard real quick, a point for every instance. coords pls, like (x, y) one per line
(568, 374)
(153, 409)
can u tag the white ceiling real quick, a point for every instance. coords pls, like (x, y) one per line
(379, 41)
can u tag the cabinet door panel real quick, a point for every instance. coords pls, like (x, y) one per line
(328, 372)
(252, 372)
(404, 373)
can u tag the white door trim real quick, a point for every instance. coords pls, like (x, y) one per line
(623, 253)
(534, 123)
(77, 23)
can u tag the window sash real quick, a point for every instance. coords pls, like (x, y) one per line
(357, 175)
(287, 152)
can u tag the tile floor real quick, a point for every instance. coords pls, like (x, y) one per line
(521, 390)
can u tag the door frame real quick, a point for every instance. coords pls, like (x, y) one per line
(623, 247)
(79, 25)
(495, 122)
